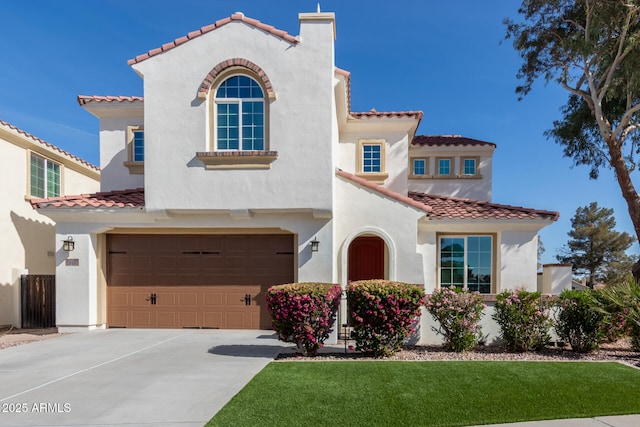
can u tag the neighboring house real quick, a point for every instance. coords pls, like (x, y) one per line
(32, 168)
(243, 166)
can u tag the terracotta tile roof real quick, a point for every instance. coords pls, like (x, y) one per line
(347, 77)
(384, 191)
(238, 16)
(46, 144)
(458, 208)
(373, 113)
(83, 99)
(448, 140)
(133, 198)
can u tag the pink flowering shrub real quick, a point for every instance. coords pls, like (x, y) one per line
(524, 320)
(458, 314)
(383, 314)
(304, 313)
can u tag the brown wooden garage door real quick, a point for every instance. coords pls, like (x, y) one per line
(185, 281)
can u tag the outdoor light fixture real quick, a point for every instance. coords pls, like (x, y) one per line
(68, 245)
(314, 245)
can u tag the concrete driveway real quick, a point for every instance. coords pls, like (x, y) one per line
(129, 377)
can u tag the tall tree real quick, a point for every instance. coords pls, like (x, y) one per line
(592, 49)
(596, 249)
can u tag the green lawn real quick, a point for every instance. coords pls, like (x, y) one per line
(385, 393)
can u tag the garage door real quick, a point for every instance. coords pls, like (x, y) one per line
(194, 281)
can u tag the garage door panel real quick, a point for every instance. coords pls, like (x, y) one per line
(236, 320)
(141, 319)
(213, 319)
(197, 280)
(213, 299)
(187, 299)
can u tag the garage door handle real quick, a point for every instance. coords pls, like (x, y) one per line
(152, 298)
(247, 299)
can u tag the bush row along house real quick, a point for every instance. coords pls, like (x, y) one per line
(243, 166)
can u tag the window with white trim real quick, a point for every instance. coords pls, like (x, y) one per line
(466, 262)
(469, 166)
(419, 167)
(239, 115)
(371, 160)
(44, 177)
(444, 166)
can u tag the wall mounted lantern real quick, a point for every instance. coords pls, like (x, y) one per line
(68, 244)
(314, 245)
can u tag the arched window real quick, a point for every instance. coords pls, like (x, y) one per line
(239, 115)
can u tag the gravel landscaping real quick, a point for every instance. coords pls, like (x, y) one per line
(11, 337)
(619, 351)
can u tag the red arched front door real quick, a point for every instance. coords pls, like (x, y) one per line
(366, 258)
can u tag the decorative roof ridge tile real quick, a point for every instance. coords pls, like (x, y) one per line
(384, 191)
(238, 16)
(48, 145)
(85, 99)
(447, 140)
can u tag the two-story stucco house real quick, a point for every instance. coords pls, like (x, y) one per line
(243, 166)
(32, 168)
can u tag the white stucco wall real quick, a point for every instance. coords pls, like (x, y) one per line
(365, 212)
(300, 121)
(471, 188)
(28, 238)
(518, 260)
(396, 160)
(114, 153)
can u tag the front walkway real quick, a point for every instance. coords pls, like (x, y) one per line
(129, 377)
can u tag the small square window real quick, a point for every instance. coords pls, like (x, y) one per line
(444, 166)
(469, 167)
(419, 167)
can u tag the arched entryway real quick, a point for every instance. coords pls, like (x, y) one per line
(366, 259)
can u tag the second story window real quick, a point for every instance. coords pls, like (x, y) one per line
(419, 167)
(444, 167)
(135, 149)
(239, 115)
(371, 158)
(469, 167)
(44, 177)
(138, 146)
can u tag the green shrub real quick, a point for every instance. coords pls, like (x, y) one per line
(524, 320)
(625, 298)
(580, 320)
(304, 313)
(383, 314)
(458, 314)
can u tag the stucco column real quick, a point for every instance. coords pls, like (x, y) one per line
(76, 283)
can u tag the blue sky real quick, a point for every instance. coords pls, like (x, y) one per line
(446, 59)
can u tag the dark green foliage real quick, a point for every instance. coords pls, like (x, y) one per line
(580, 320)
(624, 299)
(596, 249)
(591, 48)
